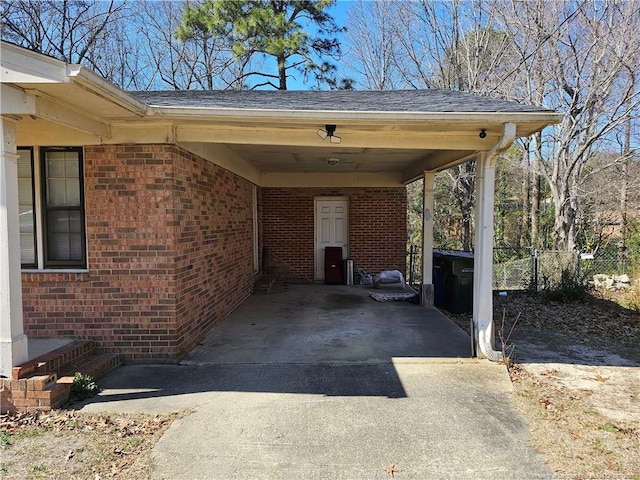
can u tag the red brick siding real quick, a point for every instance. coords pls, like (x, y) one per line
(152, 271)
(214, 246)
(377, 229)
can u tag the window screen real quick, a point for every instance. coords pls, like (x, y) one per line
(26, 206)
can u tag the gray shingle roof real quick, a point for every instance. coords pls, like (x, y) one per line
(432, 101)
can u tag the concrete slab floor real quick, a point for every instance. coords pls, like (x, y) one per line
(326, 324)
(324, 391)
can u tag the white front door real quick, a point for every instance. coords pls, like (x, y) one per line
(332, 229)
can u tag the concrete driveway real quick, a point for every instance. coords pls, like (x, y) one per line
(322, 382)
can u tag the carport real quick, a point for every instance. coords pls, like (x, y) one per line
(345, 139)
(326, 144)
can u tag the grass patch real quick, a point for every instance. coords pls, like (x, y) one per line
(5, 440)
(38, 471)
(609, 427)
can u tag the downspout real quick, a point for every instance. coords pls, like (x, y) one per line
(485, 335)
(508, 136)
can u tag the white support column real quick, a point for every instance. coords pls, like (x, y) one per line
(426, 297)
(13, 341)
(483, 257)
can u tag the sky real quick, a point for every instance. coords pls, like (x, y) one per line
(339, 13)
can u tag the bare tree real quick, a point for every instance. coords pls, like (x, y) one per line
(201, 62)
(132, 44)
(68, 30)
(579, 65)
(373, 44)
(575, 57)
(451, 45)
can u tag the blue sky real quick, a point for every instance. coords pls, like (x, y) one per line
(339, 13)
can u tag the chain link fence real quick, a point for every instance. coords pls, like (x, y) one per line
(533, 270)
(513, 268)
(606, 262)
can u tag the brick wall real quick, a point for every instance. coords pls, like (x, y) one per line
(377, 229)
(163, 229)
(214, 246)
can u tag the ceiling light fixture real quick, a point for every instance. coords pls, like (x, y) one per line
(329, 131)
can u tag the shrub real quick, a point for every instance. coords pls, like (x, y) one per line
(631, 299)
(83, 386)
(571, 287)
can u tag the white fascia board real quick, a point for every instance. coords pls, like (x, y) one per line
(264, 135)
(16, 101)
(20, 65)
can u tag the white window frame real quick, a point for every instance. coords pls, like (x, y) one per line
(39, 223)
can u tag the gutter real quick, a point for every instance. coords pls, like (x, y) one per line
(345, 115)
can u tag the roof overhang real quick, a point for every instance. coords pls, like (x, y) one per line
(62, 104)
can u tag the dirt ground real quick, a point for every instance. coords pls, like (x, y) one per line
(575, 367)
(66, 444)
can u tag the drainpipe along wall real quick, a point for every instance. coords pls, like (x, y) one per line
(483, 269)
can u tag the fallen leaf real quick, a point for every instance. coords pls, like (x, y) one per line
(391, 470)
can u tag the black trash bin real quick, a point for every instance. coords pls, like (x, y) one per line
(441, 269)
(459, 283)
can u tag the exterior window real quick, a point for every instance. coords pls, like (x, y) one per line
(59, 208)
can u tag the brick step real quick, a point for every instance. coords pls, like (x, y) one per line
(53, 396)
(47, 391)
(97, 366)
(264, 284)
(58, 360)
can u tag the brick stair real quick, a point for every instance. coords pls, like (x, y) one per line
(44, 383)
(264, 284)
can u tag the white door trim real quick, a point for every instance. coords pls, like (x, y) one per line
(316, 233)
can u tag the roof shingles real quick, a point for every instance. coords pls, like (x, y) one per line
(423, 101)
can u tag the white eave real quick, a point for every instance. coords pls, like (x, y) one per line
(93, 83)
(73, 88)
